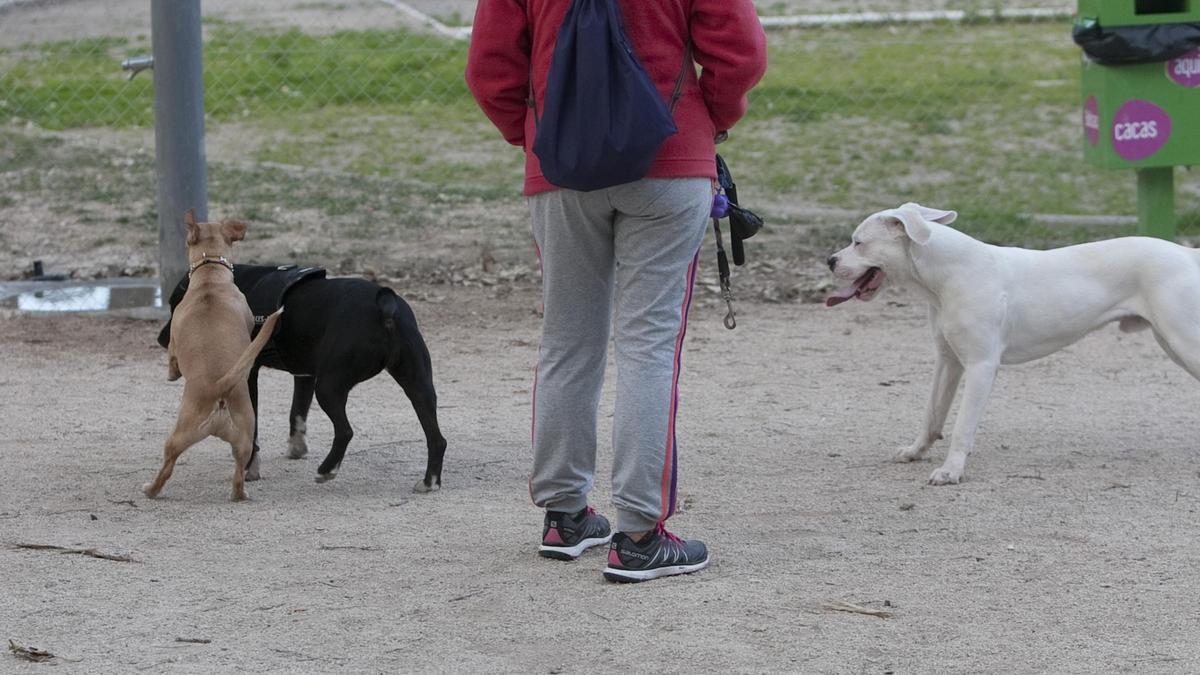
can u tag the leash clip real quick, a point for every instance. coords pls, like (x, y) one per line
(730, 319)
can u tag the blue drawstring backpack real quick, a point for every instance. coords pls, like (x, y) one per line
(604, 119)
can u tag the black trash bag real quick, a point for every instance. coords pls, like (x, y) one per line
(743, 223)
(1131, 45)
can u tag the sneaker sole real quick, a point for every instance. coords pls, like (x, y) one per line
(571, 552)
(633, 576)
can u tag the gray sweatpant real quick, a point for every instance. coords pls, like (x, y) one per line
(622, 257)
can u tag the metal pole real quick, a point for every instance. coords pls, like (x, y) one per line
(1156, 202)
(178, 131)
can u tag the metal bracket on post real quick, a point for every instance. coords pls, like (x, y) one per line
(136, 64)
(1156, 202)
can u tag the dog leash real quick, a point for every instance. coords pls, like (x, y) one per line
(720, 208)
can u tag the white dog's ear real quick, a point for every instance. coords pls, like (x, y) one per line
(914, 223)
(934, 215)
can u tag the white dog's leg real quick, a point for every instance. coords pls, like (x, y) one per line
(1176, 325)
(1183, 349)
(979, 380)
(947, 373)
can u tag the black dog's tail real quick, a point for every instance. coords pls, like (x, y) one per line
(406, 343)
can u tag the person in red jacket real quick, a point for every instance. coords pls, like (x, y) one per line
(620, 259)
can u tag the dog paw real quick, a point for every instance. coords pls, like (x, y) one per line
(251, 473)
(149, 491)
(945, 476)
(912, 453)
(325, 477)
(297, 447)
(421, 487)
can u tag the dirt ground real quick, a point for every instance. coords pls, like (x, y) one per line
(1071, 547)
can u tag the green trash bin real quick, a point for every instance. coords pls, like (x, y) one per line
(1141, 95)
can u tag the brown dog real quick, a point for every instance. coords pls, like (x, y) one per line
(211, 348)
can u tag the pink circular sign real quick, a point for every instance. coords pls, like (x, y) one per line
(1139, 129)
(1185, 70)
(1091, 120)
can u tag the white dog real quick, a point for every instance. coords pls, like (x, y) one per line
(990, 305)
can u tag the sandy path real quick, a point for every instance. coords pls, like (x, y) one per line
(1072, 547)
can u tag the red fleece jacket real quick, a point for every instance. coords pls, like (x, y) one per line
(727, 42)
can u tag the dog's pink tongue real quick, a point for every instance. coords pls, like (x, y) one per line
(841, 295)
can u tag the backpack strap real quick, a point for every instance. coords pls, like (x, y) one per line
(687, 62)
(532, 101)
(675, 94)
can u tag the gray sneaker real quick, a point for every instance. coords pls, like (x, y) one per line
(566, 535)
(658, 554)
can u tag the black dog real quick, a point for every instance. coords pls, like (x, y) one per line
(335, 334)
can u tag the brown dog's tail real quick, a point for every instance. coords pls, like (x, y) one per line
(241, 369)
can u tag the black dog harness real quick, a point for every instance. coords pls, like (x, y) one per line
(265, 290)
(268, 292)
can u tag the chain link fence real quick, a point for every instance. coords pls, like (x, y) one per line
(343, 130)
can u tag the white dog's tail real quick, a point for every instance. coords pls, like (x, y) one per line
(241, 369)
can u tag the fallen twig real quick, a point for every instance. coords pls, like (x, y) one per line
(325, 547)
(885, 462)
(125, 502)
(843, 606)
(306, 657)
(59, 513)
(1018, 475)
(1113, 485)
(29, 653)
(194, 641)
(90, 552)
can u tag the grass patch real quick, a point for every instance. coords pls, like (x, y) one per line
(247, 73)
(982, 118)
(450, 151)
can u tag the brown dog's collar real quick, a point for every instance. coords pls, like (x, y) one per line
(204, 260)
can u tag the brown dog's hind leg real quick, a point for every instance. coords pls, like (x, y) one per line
(186, 434)
(240, 436)
(241, 455)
